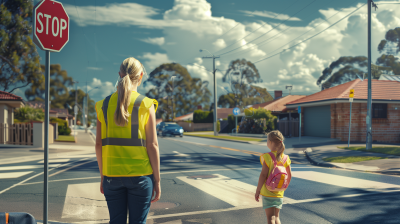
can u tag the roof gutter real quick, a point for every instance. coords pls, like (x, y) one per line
(337, 100)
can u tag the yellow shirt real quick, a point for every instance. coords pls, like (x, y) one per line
(268, 161)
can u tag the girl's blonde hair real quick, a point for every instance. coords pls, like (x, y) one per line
(277, 138)
(130, 70)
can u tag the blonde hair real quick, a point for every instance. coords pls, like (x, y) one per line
(130, 70)
(277, 138)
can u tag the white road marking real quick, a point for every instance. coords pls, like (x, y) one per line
(27, 167)
(56, 161)
(181, 154)
(343, 181)
(233, 192)
(13, 175)
(84, 201)
(17, 184)
(247, 207)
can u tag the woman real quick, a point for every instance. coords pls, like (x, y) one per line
(127, 148)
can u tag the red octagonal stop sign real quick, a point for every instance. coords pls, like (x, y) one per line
(51, 26)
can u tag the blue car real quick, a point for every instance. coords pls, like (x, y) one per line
(172, 130)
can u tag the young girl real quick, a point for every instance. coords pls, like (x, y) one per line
(272, 201)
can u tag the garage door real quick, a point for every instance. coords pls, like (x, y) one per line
(317, 121)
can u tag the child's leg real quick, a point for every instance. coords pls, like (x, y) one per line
(270, 212)
(277, 220)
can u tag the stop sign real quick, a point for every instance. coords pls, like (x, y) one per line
(51, 26)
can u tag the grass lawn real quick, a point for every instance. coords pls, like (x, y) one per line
(66, 138)
(378, 149)
(226, 137)
(351, 159)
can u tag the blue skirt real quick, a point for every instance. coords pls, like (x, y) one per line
(269, 202)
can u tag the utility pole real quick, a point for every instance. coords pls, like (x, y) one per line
(215, 92)
(172, 100)
(369, 102)
(76, 106)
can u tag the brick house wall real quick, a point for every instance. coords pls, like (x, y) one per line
(383, 129)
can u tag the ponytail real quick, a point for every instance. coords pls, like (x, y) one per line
(277, 137)
(131, 69)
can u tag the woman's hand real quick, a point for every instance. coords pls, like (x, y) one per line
(156, 192)
(257, 196)
(101, 185)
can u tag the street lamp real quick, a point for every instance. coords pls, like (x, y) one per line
(76, 105)
(215, 91)
(172, 78)
(86, 111)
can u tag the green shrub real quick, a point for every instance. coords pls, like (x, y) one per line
(26, 114)
(63, 128)
(218, 126)
(200, 116)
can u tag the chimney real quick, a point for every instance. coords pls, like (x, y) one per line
(278, 94)
(199, 107)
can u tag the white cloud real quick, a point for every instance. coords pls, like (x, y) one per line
(104, 89)
(155, 60)
(220, 43)
(269, 14)
(157, 40)
(94, 68)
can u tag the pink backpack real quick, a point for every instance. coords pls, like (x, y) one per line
(278, 179)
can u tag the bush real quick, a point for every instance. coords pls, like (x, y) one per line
(200, 116)
(218, 126)
(258, 121)
(26, 114)
(63, 128)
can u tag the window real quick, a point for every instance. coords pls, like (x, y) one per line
(379, 110)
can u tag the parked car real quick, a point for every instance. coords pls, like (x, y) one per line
(172, 130)
(161, 125)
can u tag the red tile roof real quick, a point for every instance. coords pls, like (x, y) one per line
(278, 105)
(9, 96)
(381, 90)
(188, 116)
(224, 112)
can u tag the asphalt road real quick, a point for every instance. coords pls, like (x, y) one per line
(205, 181)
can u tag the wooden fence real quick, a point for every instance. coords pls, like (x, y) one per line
(289, 128)
(16, 134)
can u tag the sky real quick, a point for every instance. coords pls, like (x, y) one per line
(104, 33)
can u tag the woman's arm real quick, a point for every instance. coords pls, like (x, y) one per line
(99, 153)
(153, 152)
(261, 180)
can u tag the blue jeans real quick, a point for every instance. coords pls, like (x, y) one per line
(128, 193)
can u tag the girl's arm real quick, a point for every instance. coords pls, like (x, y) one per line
(99, 153)
(261, 180)
(153, 152)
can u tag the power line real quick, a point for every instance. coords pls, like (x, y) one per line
(270, 29)
(255, 29)
(280, 33)
(309, 37)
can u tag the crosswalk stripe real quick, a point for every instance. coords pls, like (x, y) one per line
(13, 175)
(27, 167)
(342, 181)
(233, 192)
(56, 161)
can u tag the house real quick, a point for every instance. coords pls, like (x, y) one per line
(327, 113)
(278, 106)
(222, 113)
(8, 103)
(54, 113)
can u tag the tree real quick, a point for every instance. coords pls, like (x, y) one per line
(26, 114)
(59, 83)
(346, 69)
(240, 75)
(187, 92)
(19, 60)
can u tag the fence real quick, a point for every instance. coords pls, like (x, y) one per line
(16, 134)
(289, 128)
(190, 127)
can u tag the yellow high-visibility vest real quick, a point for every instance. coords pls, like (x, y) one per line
(124, 150)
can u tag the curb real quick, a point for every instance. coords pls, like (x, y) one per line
(230, 140)
(317, 161)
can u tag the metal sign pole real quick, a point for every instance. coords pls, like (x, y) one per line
(236, 125)
(299, 110)
(351, 103)
(46, 141)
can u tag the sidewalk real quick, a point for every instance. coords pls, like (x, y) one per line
(14, 153)
(385, 166)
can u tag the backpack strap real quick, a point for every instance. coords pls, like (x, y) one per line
(274, 158)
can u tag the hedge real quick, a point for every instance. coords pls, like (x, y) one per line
(200, 116)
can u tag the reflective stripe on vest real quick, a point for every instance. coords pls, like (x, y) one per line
(134, 140)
